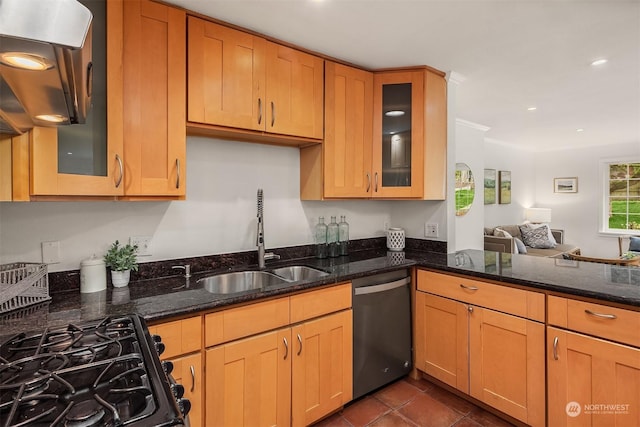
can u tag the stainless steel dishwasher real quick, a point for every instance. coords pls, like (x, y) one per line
(381, 330)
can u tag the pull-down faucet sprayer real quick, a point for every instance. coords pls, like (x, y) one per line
(262, 256)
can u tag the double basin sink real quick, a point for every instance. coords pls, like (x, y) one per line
(243, 281)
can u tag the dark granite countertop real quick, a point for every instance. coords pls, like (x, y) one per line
(161, 298)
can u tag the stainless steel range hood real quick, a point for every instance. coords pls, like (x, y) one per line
(57, 34)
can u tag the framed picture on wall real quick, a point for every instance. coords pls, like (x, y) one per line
(489, 186)
(565, 185)
(504, 182)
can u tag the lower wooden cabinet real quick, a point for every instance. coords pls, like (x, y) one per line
(475, 347)
(591, 381)
(291, 376)
(187, 370)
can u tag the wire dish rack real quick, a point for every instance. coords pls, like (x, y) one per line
(22, 284)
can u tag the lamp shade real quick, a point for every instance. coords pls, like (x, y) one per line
(537, 215)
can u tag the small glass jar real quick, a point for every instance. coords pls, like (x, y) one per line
(332, 238)
(343, 236)
(320, 236)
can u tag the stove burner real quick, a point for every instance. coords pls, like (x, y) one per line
(84, 414)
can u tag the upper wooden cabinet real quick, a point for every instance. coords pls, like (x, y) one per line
(237, 80)
(14, 168)
(146, 141)
(385, 137)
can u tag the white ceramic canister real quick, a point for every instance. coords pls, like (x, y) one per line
(395, 239)
(93, 275)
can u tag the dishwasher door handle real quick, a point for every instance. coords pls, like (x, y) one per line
(363, 290)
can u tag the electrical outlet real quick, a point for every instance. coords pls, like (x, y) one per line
(51, 252)
(430, 230)
(144, 244)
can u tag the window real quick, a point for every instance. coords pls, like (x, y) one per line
(622, 195)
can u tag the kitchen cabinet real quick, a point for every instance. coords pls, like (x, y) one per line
(239, 82)
(183, 344)
(146, 142)
(14, 168)
(593, 359)
(291, 375)
(485, 340)
(385, 136)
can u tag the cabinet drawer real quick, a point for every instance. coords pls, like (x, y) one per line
(501, 298)
(228, 325)
(317, 303)
(179, 336)
(612, 323)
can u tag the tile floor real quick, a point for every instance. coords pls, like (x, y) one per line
(411, 403)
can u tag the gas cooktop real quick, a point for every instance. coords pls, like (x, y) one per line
(99, 373)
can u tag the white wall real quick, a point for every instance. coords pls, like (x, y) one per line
(217, 217)
(578, 213)
(521, 163)
(469, 150)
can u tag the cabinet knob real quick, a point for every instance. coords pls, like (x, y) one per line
(470, 309)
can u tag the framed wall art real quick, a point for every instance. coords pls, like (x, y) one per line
(565, 185)
(489, 186)
(504, 183)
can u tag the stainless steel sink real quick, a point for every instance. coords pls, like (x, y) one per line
(296, 273)
(242, 281)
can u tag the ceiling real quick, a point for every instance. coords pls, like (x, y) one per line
(507, 55)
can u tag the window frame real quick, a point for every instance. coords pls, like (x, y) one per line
(604, 197)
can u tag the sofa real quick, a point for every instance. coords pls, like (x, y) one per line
(495, 240)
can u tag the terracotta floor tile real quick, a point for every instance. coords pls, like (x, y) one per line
(397, 394)
(336, 420)
(451, 400)
(428, 412)
(392, 419)
(466, 422)
(364, 411)
(487, 419)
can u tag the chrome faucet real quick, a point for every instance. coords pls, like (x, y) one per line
(262, 256)
(186, 268)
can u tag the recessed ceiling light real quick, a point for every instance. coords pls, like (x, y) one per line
(53, 118)
(580, 130)
(532, 108)
(394, 113)
(599, 62)
(26, 61)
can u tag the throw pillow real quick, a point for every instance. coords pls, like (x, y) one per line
(548, 228)
(537, 237)
(634, 244)
(499, 232)
(522, 249)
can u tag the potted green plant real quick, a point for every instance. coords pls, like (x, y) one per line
(121, 259)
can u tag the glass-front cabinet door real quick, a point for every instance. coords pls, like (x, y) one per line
(398, 138)
(84, 159)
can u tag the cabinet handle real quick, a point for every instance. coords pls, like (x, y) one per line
(600, 315)
(286, 348)
(375, 187)
(193, 378)
(469, 288)
(555, 348)
(273, 113)
(368, 182)
(300, 341)
(470, 309)
(259, 110)
(178, 174)
(119, 181)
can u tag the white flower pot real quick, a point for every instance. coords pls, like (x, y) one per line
(120, 278)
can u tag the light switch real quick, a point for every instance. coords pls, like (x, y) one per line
(51, 252)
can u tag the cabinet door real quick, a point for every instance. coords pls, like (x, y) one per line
(226, 76)
(322, 367)
(584, 373)
(187, 371)
(506, 364)
(295, 92)
(398, 134)
(441, 339)
(179, 336)
(14, 168)
(154, 99)
(348, 131)
(249, 381)
(86, 159)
